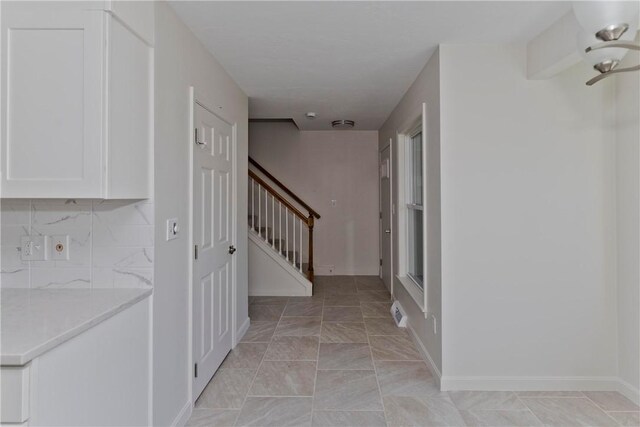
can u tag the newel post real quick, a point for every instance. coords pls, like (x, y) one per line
(310, 271)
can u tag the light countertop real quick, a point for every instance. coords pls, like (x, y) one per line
(37, 320)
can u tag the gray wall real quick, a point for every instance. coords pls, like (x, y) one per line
(181, 61)
(521, 247)
(528, 253)
(320, 166)
(425, 89)
(628, 220)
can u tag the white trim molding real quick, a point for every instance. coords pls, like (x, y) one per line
(450, 383)
(426, 356)
(628, 391)
(241, 331)
(414, 291)
(184, 415)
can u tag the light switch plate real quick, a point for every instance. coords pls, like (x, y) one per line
(172, 228)
(35, 248)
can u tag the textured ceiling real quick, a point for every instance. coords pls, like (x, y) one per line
(346, 60)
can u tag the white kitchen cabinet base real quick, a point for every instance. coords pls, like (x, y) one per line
(14, 394)
(99, 378)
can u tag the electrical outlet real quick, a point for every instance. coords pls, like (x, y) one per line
(334, 203)
(60, 248)
(324, 270)
(35, 248)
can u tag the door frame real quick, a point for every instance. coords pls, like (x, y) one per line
(391, 213)
(193, 101)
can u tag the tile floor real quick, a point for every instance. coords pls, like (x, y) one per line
(337, 359)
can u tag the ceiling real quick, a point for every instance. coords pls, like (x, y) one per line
(347, 60)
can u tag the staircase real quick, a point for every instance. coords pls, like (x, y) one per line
(280, 237)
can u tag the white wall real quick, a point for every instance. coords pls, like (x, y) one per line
(320, 166)
(181, 61)
(425, 89)
(523, 175)
(627, 92)
(110, 243)
(528, 280)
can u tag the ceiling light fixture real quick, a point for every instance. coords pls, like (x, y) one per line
(609, 31)
(310, 115)
(342, 124)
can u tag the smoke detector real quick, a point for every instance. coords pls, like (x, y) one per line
(342, 124)
(310, 115)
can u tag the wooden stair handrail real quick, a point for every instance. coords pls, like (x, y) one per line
(284, 188)
(276, 195)
(308, 220)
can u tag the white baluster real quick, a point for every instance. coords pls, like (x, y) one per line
(293, 226)
(266, 215)
(259, 211)
(253, 204)
(286, 230)
(300, 267)
(273, 222)
(280, 226)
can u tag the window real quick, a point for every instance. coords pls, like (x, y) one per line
(412, 207)
(415, 208)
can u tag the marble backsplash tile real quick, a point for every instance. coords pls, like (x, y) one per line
(110, 243)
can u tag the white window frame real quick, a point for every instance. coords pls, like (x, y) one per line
(417, 124)
(409, 183)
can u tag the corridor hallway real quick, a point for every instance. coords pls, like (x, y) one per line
(337, 359)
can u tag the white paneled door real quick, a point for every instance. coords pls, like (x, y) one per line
(213, 277)
(385, 217)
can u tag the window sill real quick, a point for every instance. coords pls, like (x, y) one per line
(414, 290)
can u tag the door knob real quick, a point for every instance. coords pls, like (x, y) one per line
(387, 231)
(232, 249)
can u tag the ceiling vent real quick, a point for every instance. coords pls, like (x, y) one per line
(342, 124)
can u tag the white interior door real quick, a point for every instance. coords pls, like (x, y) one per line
(213, 279)
(385, 216)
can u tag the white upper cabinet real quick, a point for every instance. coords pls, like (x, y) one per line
(77, 85)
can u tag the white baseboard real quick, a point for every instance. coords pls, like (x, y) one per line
(629, 391)
(368, 271)
(425, 354)
(242, 330)
(480, 383)
(183, 416)
(448, 383)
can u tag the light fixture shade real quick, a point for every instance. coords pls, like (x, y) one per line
(342, 124)
(594, 16)
(600, 55)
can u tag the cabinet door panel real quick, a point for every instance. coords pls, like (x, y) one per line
(98, 378)
(52, 102)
